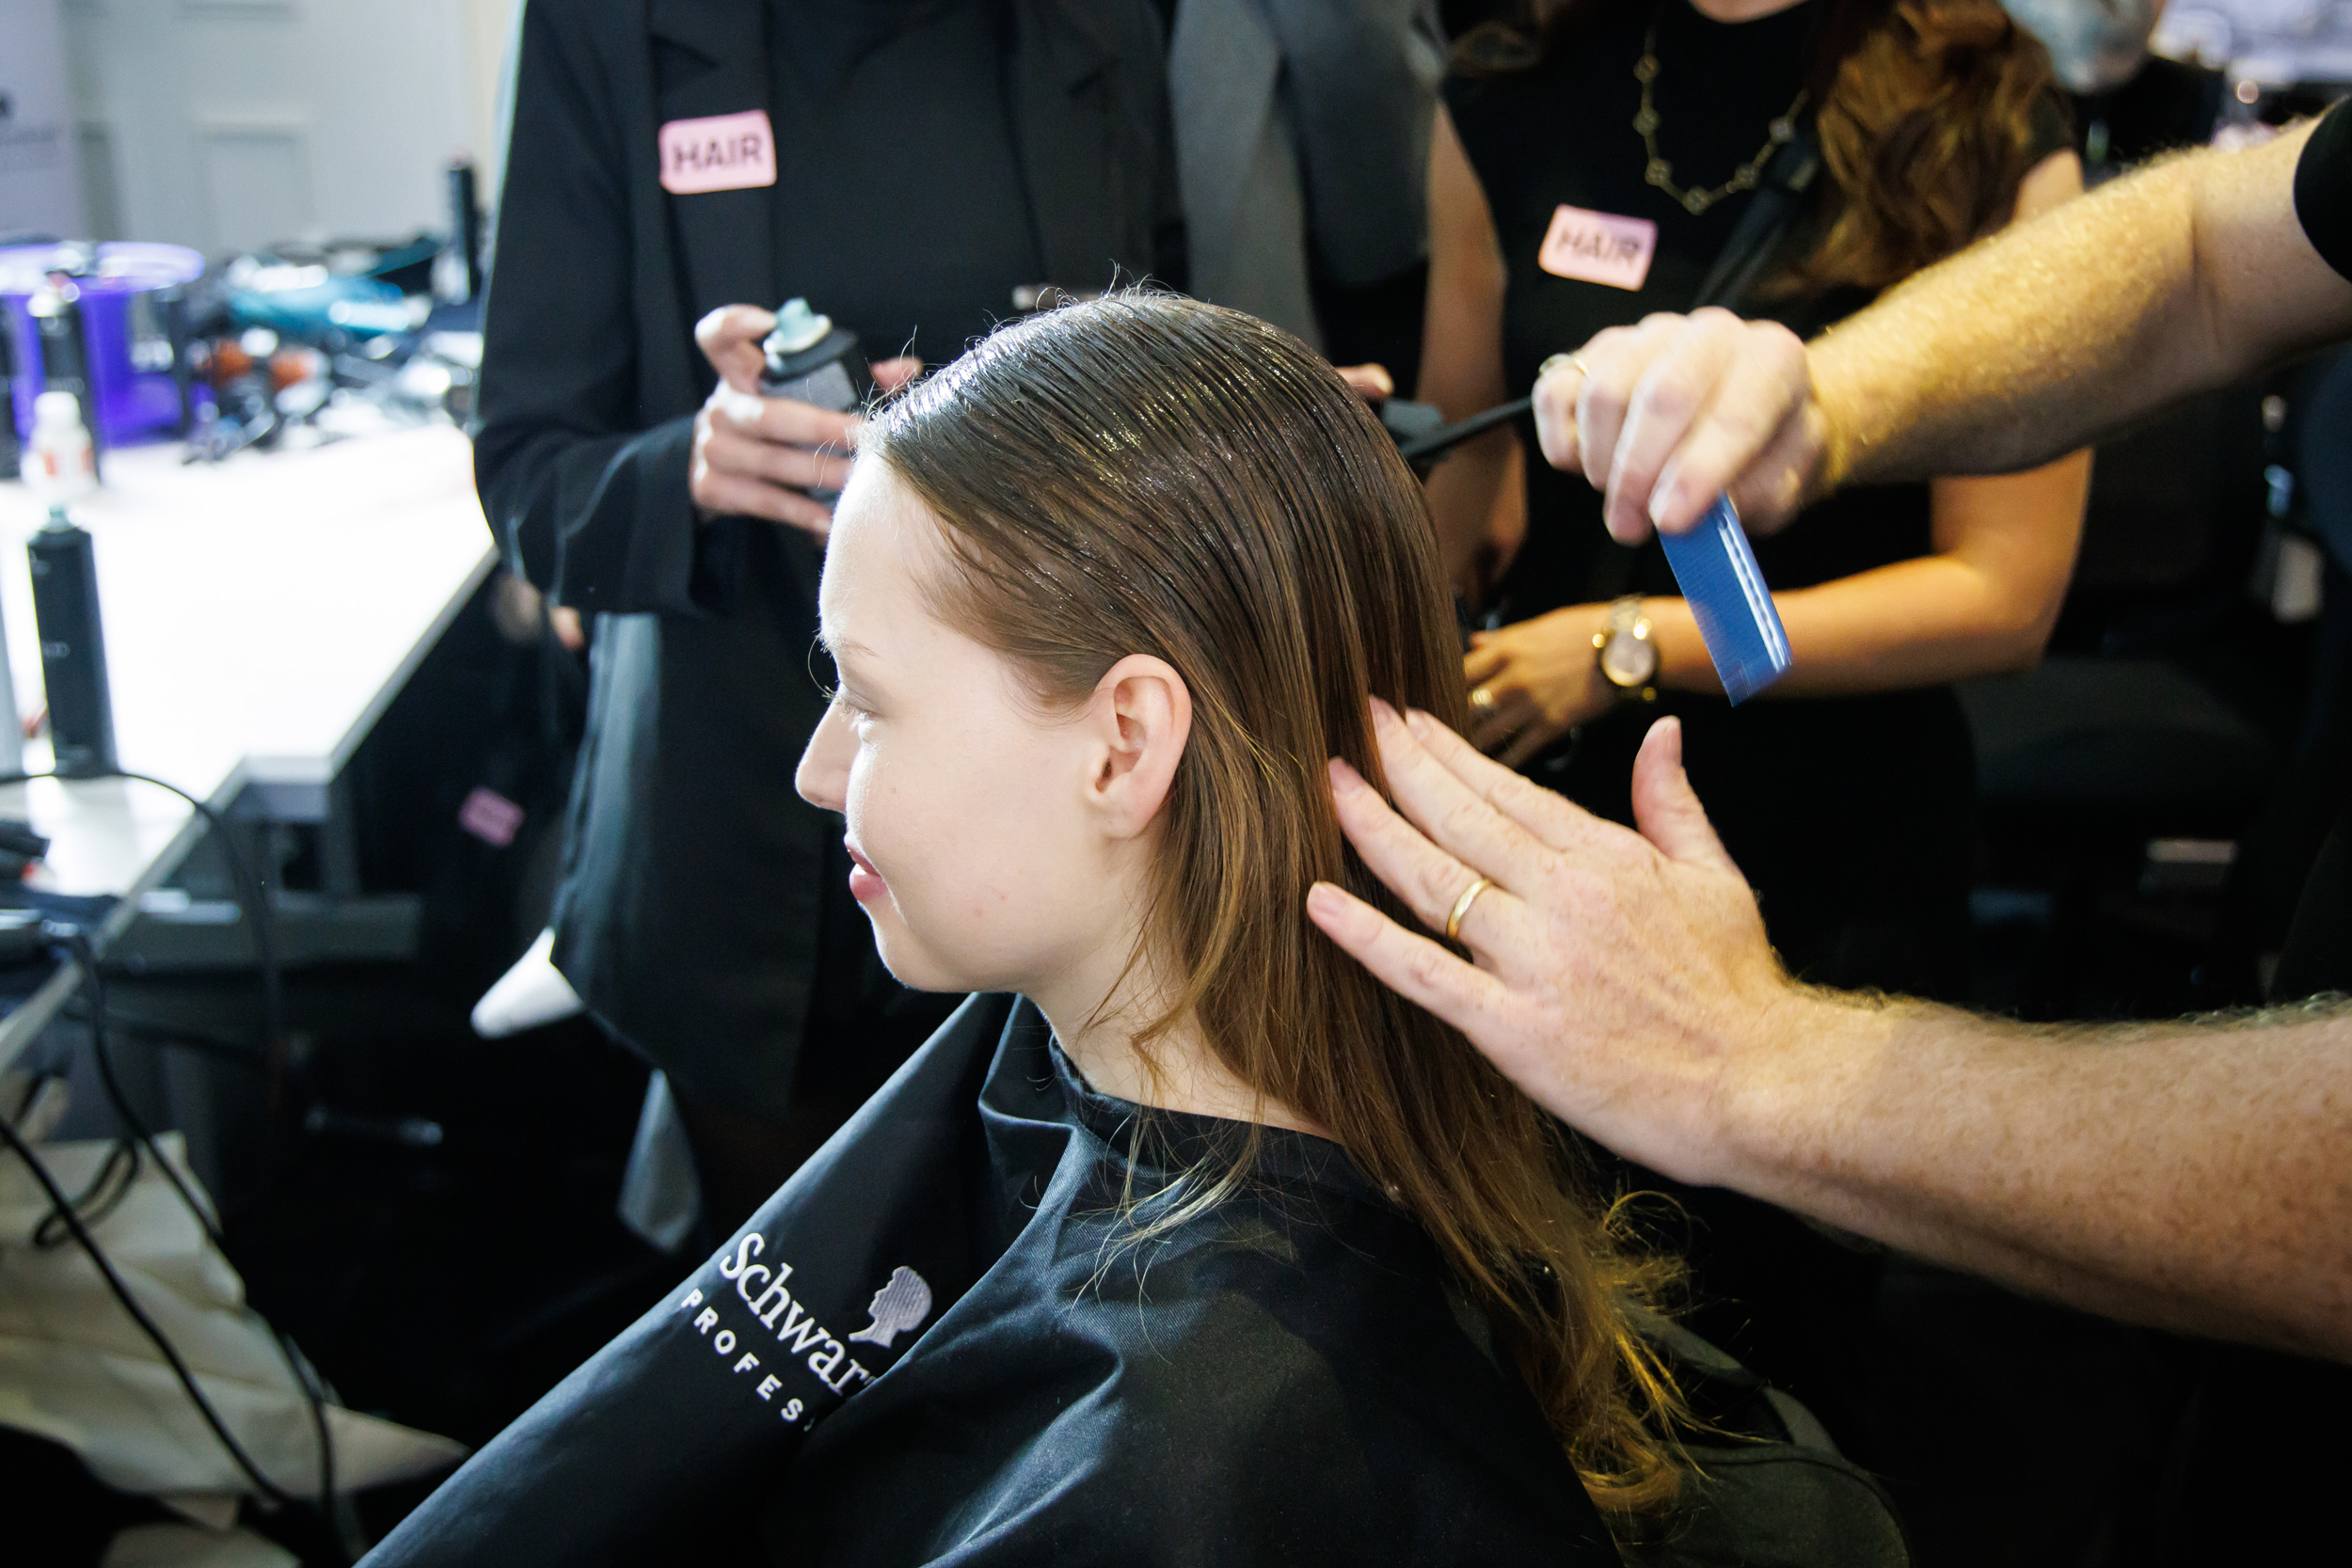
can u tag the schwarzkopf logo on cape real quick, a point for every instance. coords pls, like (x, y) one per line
(898, 1307)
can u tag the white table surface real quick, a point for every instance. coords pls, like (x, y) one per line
(260, 614)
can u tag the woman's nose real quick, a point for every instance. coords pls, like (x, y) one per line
(823, 775)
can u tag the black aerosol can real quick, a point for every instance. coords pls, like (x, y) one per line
(72, 648)
(811, 360)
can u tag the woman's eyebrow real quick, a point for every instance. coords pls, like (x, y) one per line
(837, 646)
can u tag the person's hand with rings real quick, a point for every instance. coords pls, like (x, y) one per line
(1614, 975)
(758, 456)
(1667, 414)
(1533, 681)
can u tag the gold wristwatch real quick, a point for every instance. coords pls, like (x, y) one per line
(1628, 657)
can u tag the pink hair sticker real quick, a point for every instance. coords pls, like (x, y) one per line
(719, 153)
(1598, 247)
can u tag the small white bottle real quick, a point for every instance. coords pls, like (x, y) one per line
(59, 462)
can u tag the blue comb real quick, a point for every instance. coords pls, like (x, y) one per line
(1719, 577)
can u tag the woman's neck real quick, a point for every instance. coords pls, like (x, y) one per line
(1741, 10)
(1180, 1073)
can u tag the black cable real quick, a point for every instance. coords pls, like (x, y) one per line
(103, 1196)
(251, 889)
(138, 1315)
(87, 956)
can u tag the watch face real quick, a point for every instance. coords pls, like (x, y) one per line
(1628, 660)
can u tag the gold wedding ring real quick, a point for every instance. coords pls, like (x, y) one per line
(1574, 361)
(1482, 698)
(1461, 907)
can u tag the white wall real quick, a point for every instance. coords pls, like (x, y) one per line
(225, 124)
(40, 189)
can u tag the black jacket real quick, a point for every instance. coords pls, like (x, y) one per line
(939, 1344)
(688, 916)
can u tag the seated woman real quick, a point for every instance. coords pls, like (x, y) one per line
(1186, 1240)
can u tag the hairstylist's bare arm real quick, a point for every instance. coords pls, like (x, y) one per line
(758, 456)
(2193, 1177)
(2040, 340)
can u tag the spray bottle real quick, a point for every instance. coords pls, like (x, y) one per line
(65, 594)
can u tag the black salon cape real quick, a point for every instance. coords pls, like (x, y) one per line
(1289, 1379)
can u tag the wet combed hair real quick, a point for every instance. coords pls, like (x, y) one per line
(1927, 123)
(1145, 474)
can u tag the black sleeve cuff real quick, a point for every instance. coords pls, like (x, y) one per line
(2323, 188)
(637, 545)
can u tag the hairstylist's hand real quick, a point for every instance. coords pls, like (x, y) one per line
(757, 457)
(1622, 979)
(1668, 414)
(1533, 682)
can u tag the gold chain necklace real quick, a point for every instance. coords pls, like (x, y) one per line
(1660, 173)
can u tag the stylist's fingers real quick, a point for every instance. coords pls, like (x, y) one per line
(1666, 808)
(1675, 390)
(745, 457)
(1779, 483)
(1468, 820)
(733, 496)
(1413, 966)
(1606, 372)
(729, 338)
(1718, 420)
(1430, 880)
(1432, 769)
(799, 425)
(891, 374)
(1556, 394)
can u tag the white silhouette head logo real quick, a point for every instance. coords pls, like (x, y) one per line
(897, 1308)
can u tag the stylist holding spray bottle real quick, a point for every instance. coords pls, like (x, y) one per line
(1595, 164)
(675, 169)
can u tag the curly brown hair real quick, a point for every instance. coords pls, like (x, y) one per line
(1932, 114)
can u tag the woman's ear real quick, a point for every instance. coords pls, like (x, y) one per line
(1139, 721)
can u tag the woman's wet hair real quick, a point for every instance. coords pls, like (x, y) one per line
(1147, 474)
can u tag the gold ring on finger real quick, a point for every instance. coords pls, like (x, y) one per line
(1482, 698)
(1461, 907)
(1571, 361)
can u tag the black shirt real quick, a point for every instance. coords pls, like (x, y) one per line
(912, 253)
(1853, 816)
(1289, 1378)
(2323, 189)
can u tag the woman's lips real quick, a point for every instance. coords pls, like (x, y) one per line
(866, 884)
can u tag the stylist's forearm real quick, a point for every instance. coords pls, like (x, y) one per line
(2174, 1176)
(2058, 331)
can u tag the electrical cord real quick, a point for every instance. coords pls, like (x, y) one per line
(252, 892)
(64, 1208)
(102, 1050)
(103, 1196)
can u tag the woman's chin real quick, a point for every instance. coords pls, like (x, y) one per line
(906, 958)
